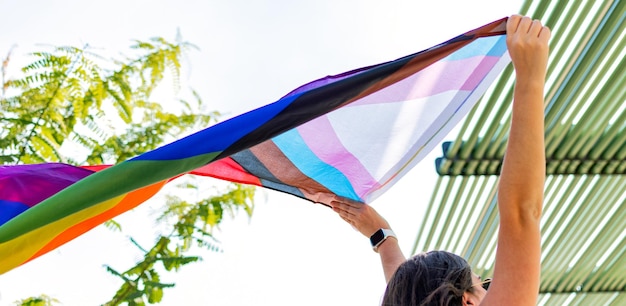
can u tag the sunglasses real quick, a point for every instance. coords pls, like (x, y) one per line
(485, 284)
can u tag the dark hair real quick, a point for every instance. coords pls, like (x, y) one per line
(435, 278)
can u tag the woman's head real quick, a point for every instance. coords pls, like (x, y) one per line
(433, 278)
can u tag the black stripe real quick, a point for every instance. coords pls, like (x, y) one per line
(322, 100)
(248, 161)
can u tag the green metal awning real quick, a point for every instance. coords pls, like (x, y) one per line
(584, 221)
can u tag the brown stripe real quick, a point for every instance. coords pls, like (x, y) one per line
(497, 27)
(287, 173)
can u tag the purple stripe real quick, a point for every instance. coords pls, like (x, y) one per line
(323, 142)
(31, 184)
(462, 74)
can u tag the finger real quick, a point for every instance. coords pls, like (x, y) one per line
(535, 28)
(340, 205)
(345, 213)
(545, 34)
(351, 212)
(354, 205)
(524, 25)
(512, 23)
(348, 220)
(350, 202)
(349, 205)
(338, 200)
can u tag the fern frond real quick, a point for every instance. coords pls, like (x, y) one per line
(45, 60)
(84, 141)
(124, 110)
(46, 148)
(142, 45)
(70, 52)
(39, 64)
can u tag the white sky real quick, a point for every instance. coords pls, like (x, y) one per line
(251, 53)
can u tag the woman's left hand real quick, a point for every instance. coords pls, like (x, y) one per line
(360, 215)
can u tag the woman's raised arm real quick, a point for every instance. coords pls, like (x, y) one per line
(520, 190)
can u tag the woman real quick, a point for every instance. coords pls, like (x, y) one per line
(442, 278)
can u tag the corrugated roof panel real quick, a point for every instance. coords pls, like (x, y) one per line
(584, 220)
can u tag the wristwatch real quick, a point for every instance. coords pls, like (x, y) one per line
(380, 236)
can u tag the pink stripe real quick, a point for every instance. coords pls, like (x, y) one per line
(478, 74)
(460, 74)
(323, 142)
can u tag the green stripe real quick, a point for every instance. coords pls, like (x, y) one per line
(97, 188)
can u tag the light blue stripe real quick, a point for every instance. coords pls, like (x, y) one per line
(490, 46)
(294, 147)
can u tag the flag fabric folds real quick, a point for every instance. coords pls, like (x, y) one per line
(350, 135)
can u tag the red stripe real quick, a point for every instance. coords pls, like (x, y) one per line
(227, 169)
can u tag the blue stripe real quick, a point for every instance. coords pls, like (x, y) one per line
(220, 136)
(10, 209)
(490, 46)
(294, 147)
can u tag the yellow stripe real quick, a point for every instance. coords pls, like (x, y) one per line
(18, 250)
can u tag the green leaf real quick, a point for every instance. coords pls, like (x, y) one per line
(113, 225)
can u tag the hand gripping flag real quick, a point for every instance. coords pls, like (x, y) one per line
(351, 135)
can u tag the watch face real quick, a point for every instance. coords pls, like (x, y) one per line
(377, 237)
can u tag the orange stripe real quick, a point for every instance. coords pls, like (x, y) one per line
(130, 201)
